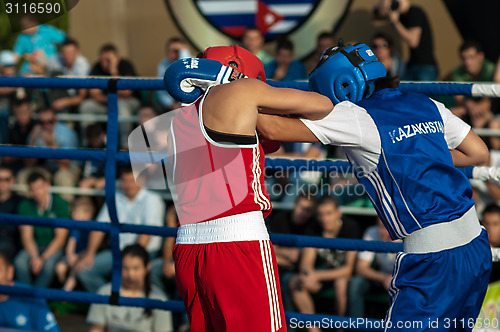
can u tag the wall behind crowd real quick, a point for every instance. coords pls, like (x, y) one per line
(140, 31)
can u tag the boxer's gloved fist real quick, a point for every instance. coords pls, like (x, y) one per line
(186, 79)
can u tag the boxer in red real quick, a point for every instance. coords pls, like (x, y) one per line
(224, 262)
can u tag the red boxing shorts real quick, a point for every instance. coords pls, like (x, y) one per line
(230, 286)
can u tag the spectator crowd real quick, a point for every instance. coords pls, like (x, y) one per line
(312, 280)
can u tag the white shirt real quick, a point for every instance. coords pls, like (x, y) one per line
(351, 127)
(147, 208)
(384, 260)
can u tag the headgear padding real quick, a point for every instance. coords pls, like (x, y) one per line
(237, 57)
(346, 73)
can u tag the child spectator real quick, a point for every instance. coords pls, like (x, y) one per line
(36, 40)
(84, 210)
(20, 312)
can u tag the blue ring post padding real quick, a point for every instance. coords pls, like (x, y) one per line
(110, 189)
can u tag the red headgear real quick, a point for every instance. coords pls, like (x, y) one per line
(246, 63)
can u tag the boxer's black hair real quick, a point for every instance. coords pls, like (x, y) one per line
(386, 82)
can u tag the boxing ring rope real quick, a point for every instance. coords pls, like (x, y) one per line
(111, 156)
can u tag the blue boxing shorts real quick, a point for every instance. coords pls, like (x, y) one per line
(440, 291)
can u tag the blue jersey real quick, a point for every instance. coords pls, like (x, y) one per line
(398, 143)
(27, 314)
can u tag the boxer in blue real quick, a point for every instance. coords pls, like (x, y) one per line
(404, 148)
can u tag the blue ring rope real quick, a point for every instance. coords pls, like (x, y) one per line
(428, 88)
(111, 156)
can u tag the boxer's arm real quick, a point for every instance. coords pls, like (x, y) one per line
(278, 128)
(472, 151)
(271, 100)
(466, 148)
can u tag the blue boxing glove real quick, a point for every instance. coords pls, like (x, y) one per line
(187, 79)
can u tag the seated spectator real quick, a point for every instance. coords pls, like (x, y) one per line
(296, 221)
(285, 67)
(36, 41)
(111, 64)
(474, 68)
(324, 268)
(134, 205)
(146, 113)
(383, 47)
(20, 312)
(23, 122)
(8, 68)
(374, 271)
(42, 246)
(163, 268)
(19, 130)
(491, 221)
(49, 133)
(253, 40)
(135, 283)
(69, 62)
(93, 171)
(9, 201)
(325, 40)
(82, 209)
(175, 49)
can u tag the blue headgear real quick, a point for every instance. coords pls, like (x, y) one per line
(346, 73)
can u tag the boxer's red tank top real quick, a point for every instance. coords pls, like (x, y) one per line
(210, 179)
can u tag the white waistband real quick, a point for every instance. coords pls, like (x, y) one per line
(247, 226)
(445, 235)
